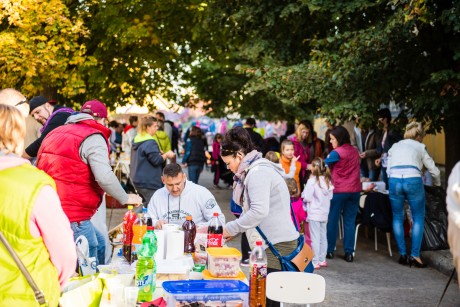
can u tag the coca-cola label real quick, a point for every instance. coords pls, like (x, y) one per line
(214, 240)
(259, 271)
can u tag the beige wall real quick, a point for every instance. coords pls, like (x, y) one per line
(436, 146)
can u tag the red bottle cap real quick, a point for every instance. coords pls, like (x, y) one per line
(216, 214)
(259, 243)
(150, 228)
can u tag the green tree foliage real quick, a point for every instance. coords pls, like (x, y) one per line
(40, 47)
(116, 51)
(341, 58)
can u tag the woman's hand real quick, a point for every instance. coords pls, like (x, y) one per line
(227, 236)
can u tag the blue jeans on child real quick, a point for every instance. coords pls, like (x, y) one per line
(349, 204)
(412, 190)
(96, 241)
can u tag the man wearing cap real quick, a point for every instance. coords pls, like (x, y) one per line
(76, 156)
(50, 115)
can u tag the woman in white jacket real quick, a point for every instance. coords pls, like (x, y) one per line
(405, 161)
(317, 197)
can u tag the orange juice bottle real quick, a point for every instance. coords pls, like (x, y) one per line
(139, 230)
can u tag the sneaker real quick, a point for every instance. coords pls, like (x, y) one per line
(316, 266)
(244, 262)
(323, 264)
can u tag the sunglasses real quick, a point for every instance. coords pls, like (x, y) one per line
(21, 102)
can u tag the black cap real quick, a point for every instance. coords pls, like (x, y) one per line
(36, 102)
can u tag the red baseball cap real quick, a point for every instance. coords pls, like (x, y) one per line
(95, 108)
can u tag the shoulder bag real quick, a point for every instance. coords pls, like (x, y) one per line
(299, 260)
(39, 295)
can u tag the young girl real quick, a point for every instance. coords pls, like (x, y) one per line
(317, 197)
(287, 159)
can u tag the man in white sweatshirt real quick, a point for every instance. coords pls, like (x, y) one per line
(179, 198)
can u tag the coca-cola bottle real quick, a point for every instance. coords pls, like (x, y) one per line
(257, 276)
(189, 229)
(215, 232)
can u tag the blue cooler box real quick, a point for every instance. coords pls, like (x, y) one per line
(231, 293)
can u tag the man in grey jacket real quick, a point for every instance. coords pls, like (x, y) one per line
(76, 156)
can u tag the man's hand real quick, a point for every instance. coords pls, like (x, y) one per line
(159, 224)
(134, 199)
(378, 161)
(362, 155)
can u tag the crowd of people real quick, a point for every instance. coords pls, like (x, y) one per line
(320, 181)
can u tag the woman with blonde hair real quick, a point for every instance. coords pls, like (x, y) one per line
(300, 140)
(31, 213)
(147, 160)
(405, 162)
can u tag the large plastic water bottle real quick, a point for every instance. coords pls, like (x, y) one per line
(146, 267)
(257, 276)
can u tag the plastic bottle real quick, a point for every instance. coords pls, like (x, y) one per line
(189, 229)
(150, 235)
(128, 221)
(139, 230)
(119, 262)
(146, 268)
(147, 218)
(215, 232)
(257, 276)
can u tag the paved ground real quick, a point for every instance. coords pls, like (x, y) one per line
(374, 279)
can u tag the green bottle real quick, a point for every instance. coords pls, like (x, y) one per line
(146, 268)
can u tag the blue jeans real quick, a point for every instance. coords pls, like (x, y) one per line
(412, 190)
(95, 239)
(374, 174)
(348, 203)
(194, 172)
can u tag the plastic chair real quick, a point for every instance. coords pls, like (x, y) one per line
(295, 288)
(375, 239)
(388, 235)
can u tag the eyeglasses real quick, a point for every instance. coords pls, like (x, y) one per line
(21, 102)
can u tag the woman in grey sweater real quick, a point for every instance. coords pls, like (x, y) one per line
(259, 187)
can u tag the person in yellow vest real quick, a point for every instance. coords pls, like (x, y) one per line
(32, 221)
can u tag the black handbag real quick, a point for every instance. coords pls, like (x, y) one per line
(297, 261)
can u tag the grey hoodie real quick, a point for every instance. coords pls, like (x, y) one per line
(269, 202)
(93, 151)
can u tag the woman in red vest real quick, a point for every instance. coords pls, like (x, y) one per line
(344, 162)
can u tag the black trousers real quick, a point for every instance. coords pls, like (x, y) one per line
(245, 248)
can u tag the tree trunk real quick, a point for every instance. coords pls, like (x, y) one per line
(452, 133)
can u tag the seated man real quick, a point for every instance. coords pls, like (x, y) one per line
(179, 198)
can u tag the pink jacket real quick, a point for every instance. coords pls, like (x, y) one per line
(49, 221)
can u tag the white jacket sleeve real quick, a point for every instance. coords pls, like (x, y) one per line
(431, 166)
